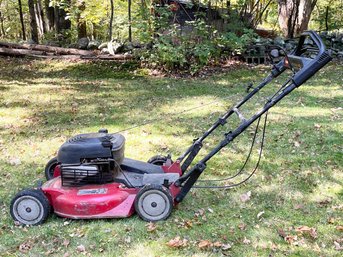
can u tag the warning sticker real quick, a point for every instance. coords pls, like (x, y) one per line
(95, 191)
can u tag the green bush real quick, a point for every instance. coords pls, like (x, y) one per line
(171, 48)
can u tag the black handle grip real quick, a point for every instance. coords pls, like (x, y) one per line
(311, 66)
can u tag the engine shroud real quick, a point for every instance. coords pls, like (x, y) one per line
(92, 158)
(92, 146)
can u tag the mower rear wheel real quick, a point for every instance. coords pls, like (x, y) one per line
(50, 167)
(30, 207)
(158, 160)
(153, 203)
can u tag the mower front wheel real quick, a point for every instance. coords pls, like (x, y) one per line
(154, 203)
(50, 167)
(30, 207)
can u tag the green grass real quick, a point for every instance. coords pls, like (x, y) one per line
(299, 182)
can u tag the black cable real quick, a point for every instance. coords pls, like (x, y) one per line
(246, 160)
(257, 164)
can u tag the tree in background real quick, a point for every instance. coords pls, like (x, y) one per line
(294, 16)
(20, 8)
(33, 21)
(111, 22)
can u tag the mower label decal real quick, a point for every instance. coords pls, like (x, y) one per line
(96, 191)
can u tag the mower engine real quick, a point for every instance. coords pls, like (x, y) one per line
(93, 158)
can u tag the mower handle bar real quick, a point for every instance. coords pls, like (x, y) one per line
(309, 66)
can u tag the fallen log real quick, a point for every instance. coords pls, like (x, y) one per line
(53, 49)
(118, 57)
(48, 55)
(19, 52)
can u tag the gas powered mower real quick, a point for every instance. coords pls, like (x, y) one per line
(90, 177)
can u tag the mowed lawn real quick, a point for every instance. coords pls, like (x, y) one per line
(292, 206)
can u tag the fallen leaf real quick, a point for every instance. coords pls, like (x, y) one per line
(317, 126)
(226, 247)
(66, 242)
(339, 228)
(217, 244)
(298, 206)
(296, 143)
(127, 240)
(245, 197)
(242, 226)
(15, 161)
(281, 233)
(307, 230)
(331, 220)
(338, 247)
(199, 212)
(246, 241)
(324, 202)
(25, 247)
(291, 239)
(177, 242)
(210, 210)
(260, 214)
(66, 255)
(81, 248)
(151, 226)
(204, 244)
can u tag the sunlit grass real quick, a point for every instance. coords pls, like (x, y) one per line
(299, 181)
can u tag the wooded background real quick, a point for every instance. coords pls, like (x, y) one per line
(69, 20)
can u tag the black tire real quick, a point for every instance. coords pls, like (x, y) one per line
(49, 168)
(154, 203)
(30, 207)
(158, 160)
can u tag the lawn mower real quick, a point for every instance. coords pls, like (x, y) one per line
(91, 178)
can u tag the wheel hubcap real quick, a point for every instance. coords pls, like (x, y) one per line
(154, 205)
(28, 210)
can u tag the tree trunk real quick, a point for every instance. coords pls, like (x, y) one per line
(304, 14)
(129, 14)
(50, 15)
(42, 16)
(23, 33)
(2, 32)
(60, 19)
(39, 18)
(81, 24)
(33, 21)
(294, 16)
(110, 37)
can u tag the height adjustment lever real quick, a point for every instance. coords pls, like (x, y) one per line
(240, 115)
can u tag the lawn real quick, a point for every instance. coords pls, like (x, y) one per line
(293, 205)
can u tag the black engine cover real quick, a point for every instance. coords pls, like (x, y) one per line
(91, 146)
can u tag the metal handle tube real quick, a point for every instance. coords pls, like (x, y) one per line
(222, 120)
(192, 176)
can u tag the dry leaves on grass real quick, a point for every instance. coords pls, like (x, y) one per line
(338, 247)
(25, 247)
(66, 242)
(339, 228)
(259, 215)
(177, 242)
(204, 244)
(242, 226)
(245, 197)
(81, 248)
(307, 230)
(246, 241)
(151, 227)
